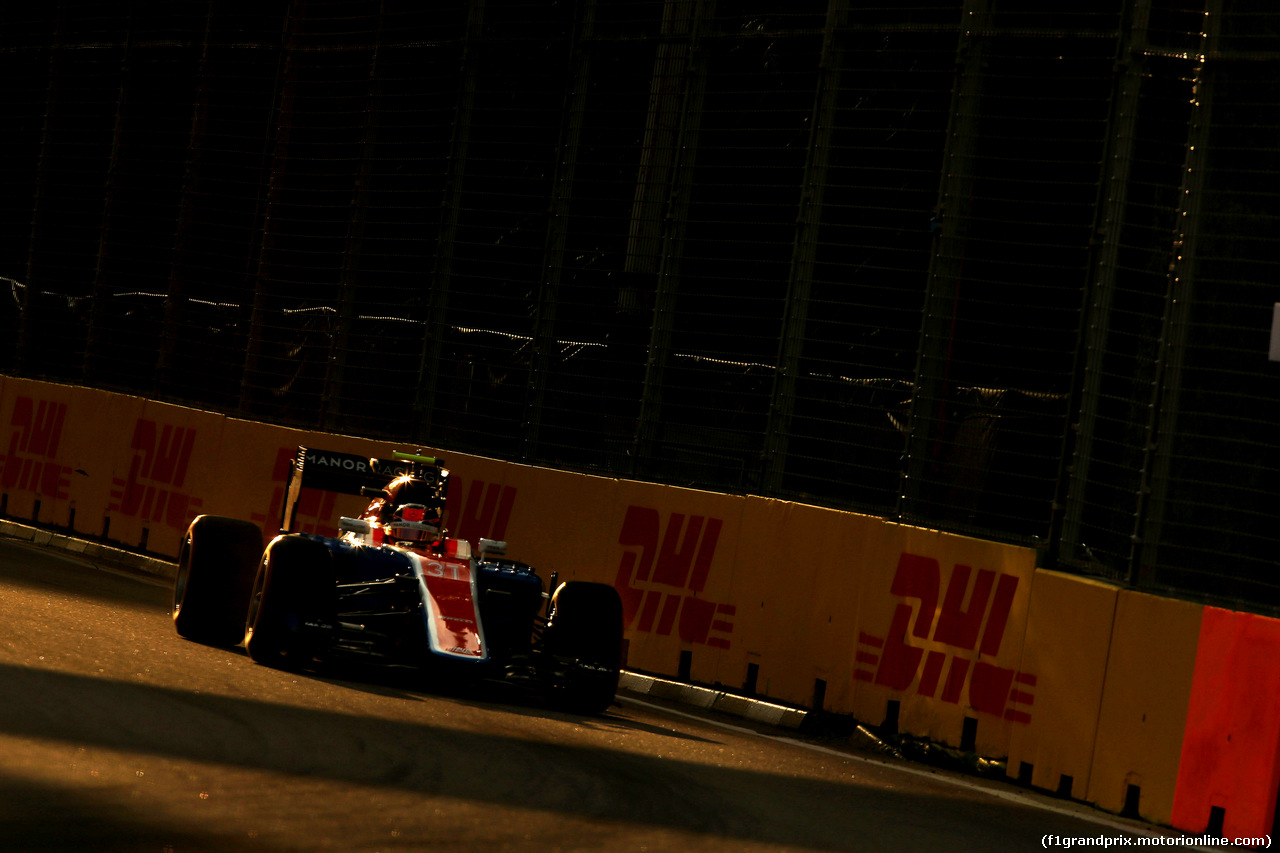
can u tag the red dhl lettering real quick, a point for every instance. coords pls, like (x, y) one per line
(478, 509)
(679, 559)
(29, 463)
(978, 626)
(157, 471)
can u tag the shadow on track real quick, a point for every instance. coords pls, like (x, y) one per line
(433, 760)
(56, 819)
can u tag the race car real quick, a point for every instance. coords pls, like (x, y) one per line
(394, 588)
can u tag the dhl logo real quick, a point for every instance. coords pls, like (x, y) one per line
(663, 572)
(152, 491)
(486, 509)
(973, 618)
(33, 446)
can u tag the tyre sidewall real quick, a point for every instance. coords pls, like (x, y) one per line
(294, 586)
(216, 564)
(586, 627)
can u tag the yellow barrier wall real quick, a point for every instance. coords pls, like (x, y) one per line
(483, 494)
(571, 533)
(673, 557)
(52, 451)
(248, 447)
(52, 454)
(1068, 638)
(1143, 711)
(792, 601)
(34, 422)
(161, 473)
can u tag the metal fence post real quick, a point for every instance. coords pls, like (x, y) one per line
(656, 233)
(336, 363)
(441, 279)
(274, 154)
(28, 317)
(1177, 318)
(553, 259)
(927, 431)
(804, 250)
(175, 301)
(101, 289)
(1099, 293)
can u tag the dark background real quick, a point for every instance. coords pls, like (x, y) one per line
(978, 266)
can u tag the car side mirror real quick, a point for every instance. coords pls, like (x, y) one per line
(354, 525)
(492, 547)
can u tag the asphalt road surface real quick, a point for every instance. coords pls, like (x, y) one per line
(117, 735)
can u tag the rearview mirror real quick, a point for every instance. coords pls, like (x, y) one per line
(354, 525)
(492, 547)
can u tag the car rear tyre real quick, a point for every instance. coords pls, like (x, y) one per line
(586, 628)
(216, 565)
(291, 608)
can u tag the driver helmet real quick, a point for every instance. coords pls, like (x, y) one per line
(414, 523)
(411, 510)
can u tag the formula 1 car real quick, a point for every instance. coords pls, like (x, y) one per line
(394, 588)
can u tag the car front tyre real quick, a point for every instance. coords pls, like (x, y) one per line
(216, 564)
(291, 605)
(586, 629)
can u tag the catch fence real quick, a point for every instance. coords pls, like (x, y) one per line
(994, 267)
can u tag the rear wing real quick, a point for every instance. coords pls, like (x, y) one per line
(347, 474)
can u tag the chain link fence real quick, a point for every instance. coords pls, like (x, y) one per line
(988, 266)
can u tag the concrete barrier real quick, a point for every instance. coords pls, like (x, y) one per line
(1067, 642)
(1143, 710)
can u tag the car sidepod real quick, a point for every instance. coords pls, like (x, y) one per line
(510, 601)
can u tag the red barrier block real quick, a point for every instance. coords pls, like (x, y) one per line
(1231, 747)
